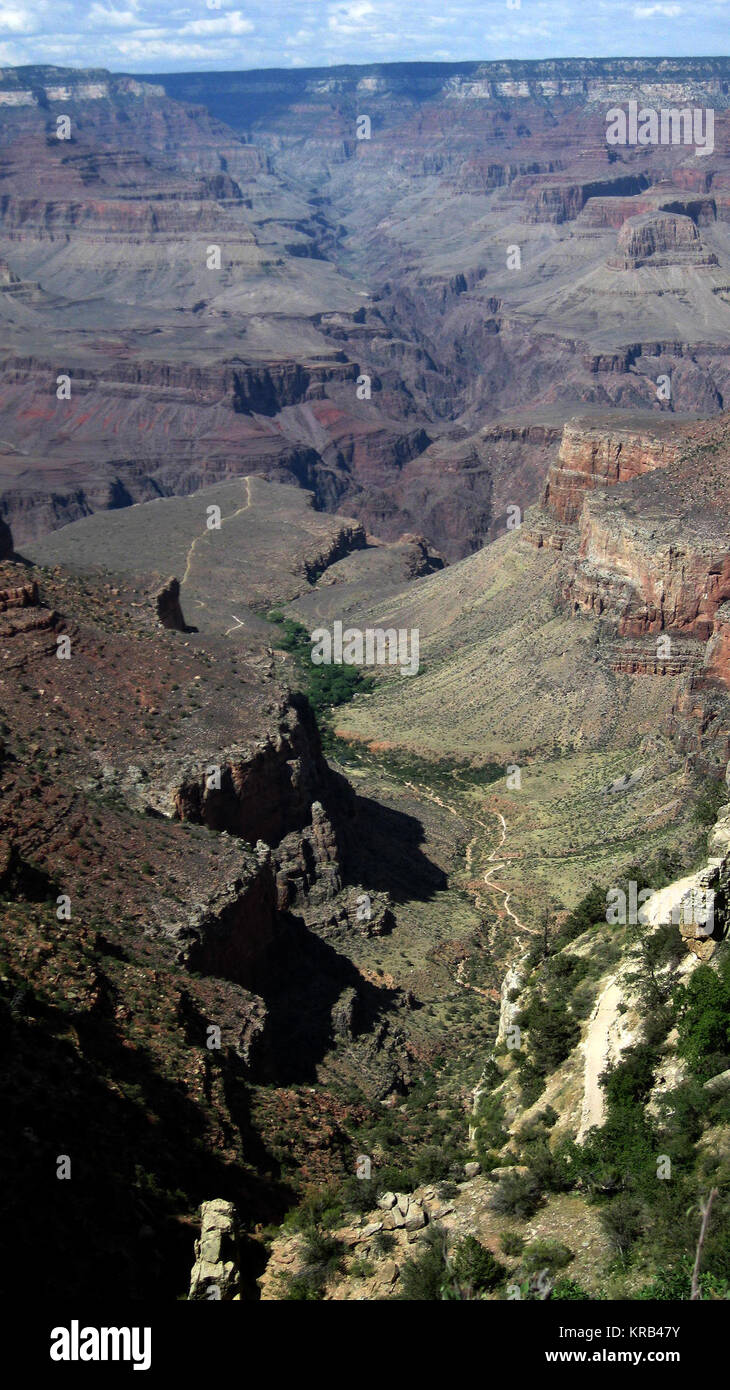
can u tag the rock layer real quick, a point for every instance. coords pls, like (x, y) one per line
(594, 454)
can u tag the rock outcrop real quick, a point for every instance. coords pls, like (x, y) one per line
(261, 792)
(22, 613)
(216, 1273)
(642, 514)
(596, 453)
(649, 574)
(510, 1006)
(699, 904)
(167, 605)
(232, 932)
(660, 239)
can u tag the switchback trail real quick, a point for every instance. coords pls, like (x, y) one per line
(492, 857)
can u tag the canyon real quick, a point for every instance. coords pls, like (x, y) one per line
(467, 376)
(397, 323)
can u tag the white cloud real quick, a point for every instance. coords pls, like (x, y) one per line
(649, 11)
(101, 17)
(15, 19)
(302, 36)
(233, 23)
(170, 50)
(351, 18)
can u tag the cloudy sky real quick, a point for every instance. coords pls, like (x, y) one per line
(168, 36)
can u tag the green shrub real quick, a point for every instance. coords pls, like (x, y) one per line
(622, 1154)
(322, 1256)
(623, 1220)
(512, 1242)
(710, 798)
(546, 1254)
(490, 1133)
(582, 999)
(532, 1081)
(553, 1033)
(322, 1251)
(631, 1080)
(681, 1114)
(324, 685)
(549, 1168)
(569, 1289)
(320, 1208)
(517, 1194)
(476, 1268)
(302, 1288)
(423, 1276)
(360, 1194)
(703, 1020)
(589, 912)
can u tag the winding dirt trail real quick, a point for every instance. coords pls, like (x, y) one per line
(206, 535)
(492, 857)
(496, 863)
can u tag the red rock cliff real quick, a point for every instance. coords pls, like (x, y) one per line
(593, 455)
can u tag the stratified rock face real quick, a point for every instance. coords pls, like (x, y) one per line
(717, 651)
(22, 613)
(562, 202)
(660, 239)
(167, 603)
(6, 541)
(595, 455)
(19, 596)
(717, 654)
(216, 1272)
(652, 555)
(308, 862)
(648, 582)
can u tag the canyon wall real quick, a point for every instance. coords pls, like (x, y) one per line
(641, 513)
(594, 455)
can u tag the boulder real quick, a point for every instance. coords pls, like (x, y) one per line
(416, 1219)
(718, 1085)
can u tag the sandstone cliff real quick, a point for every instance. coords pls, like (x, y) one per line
(642, 514)
(593, 453)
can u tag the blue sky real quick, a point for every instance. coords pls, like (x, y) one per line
(168, 36)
